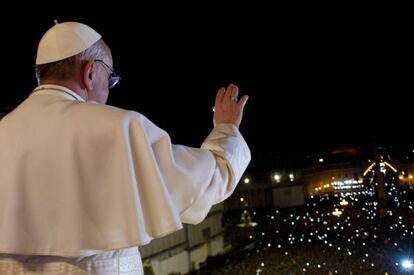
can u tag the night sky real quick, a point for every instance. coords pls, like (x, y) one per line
(316, 80)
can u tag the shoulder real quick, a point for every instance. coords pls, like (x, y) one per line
(106, 112)
(114, 116)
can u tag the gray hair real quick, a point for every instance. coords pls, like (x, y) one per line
(65, 69)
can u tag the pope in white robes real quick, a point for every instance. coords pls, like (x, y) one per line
(82, 180)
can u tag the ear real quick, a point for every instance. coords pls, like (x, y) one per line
(87, 74)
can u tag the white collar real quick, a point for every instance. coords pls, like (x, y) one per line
(47, 88)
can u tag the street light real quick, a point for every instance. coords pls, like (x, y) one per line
(277, 177)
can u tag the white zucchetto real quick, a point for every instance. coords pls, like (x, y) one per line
(64, 40)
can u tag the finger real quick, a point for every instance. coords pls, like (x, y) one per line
(243, 101)
(235, 94)
(229, 92)
(220, 95)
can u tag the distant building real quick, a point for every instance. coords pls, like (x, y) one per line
(288, 195)
(185, 250)
(275, 189)
(290, 187)
(406, 173)
(287, 188)
(337, 177)
(253, 191)
(343, 170)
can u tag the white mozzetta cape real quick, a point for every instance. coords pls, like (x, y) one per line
(76, 176)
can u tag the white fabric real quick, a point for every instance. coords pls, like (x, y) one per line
(125, 261)
(64, 40)
(76, 176)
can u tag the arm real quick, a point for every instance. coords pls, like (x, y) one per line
(231, 157)
(230, 151)
(181, 183)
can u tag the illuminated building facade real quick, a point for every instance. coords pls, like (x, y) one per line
(406, 173)
(338, 177)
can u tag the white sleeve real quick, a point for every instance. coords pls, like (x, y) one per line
(231, 155)
(195, 178)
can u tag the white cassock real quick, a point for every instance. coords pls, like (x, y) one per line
(80, 179)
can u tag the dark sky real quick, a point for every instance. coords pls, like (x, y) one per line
(315, 80)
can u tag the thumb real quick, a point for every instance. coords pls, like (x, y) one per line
(243, 100)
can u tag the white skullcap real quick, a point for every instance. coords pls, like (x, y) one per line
(64, 40)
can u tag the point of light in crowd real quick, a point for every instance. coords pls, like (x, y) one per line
(321, 160)
(343, 202)
(246, 180)
(276, 177)
(242, 199)
(407, 264)
(337, 212)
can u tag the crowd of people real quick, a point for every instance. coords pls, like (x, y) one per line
(315, 259)
(311, 240)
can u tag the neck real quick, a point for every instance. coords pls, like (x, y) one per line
(73, 86)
